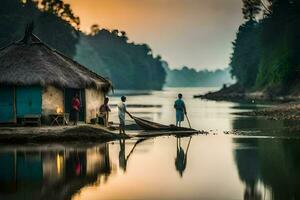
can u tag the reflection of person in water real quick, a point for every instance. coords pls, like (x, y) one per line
(105, 164)
(76, 164)
(122, 157)
(181, 156)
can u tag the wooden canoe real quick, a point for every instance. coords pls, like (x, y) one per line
(153, 126)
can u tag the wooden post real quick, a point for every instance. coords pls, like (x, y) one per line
(64, 100)
(15, 110)
(84, 104)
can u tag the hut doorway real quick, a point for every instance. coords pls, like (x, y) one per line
(69, 95)
(7, 104)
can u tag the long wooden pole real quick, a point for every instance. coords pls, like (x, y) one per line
(188, 120)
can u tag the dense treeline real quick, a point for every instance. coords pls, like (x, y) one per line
(128, 65)
(51, 23)
(267, 47)
(189, 77)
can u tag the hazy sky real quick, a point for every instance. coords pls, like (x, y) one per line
(195, 33)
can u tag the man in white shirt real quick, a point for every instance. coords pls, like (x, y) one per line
(121, 112)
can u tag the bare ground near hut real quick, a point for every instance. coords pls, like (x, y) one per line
(82, 133)
(86, 133)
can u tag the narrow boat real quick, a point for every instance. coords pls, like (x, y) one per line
(153, 126)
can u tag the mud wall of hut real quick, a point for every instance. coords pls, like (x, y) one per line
(52, 99)
(94, 99)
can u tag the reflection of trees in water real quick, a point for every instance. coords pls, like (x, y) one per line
(56, 174)
(265, 126)
(247, 161)
(181, 156)
(280, 167)
(260, 124)
(275, 162)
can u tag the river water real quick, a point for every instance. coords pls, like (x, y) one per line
(261, 160)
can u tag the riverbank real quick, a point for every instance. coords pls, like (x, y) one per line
(80, 133)
(286, 111)
(95, 133)
(238, 93)
(232, 92)
(284, 108)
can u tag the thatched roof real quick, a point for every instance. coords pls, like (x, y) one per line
(31, 62)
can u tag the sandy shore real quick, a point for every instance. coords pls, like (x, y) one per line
(16, 135)
(286, 111)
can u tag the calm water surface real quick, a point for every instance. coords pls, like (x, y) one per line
(262, 161)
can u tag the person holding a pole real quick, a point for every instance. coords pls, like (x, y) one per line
(180, 108)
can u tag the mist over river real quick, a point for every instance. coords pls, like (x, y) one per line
(260, 161)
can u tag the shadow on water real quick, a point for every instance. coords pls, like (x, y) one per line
(273, 162)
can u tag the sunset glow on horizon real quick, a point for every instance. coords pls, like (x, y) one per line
(193, 33)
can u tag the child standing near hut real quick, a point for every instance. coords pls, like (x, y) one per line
(179, 106)
(104, 111)
(121, 112)
(76, 108)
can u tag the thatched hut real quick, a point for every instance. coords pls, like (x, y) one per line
(38, 80)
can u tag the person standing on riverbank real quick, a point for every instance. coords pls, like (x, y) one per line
(121, 112)
(180, 108)
(76, 108)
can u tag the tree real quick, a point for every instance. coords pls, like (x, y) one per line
(49, 24)
(108, 53)
(94, 29)
(128, 65)
(251, 8)
(245, 58)
(60, 9)
(265, 52)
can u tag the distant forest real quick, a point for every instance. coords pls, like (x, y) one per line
(189, 77)
(107, 52)
(267, 47)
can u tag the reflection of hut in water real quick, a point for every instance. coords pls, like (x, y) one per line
(20, 169)
(82, 168)
(33, 174)
(181, 156)
(248, 165)
(105, 165)
(7, 172)
(76, 164)
(37, 80)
